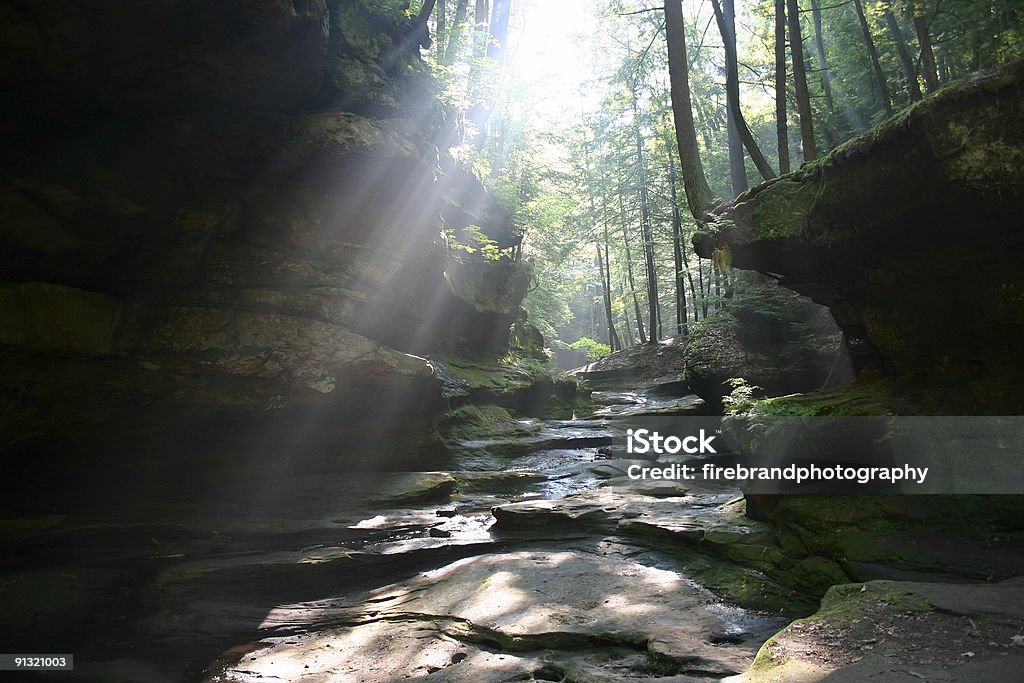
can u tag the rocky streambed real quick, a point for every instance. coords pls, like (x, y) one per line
(528, 558)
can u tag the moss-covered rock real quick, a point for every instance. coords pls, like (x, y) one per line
(767, 337)
(473, 422)
(526, 341)
(373, 58)
(910, 234)
(221, 216)
(523, 385)
(886, 629)
(639, 365)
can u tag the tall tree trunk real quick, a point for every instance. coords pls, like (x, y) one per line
(481, 36)
(480, 112)
(481, 33)
(727, 27)
(677, 250)
(616, 343)
(441, 21)
(689, 276)
(781, 117)
(876, 65)
(421, 32)
(828, 125)
(628, 329)
(645, 227)
(455, 40)
(661, 329)
(698, 193)
(703, 296)
(737, 165)
(629, 272)
(919, 17)
(906, 61)
(718, 285)
(803, 98)
(606, 296)
(819, 44)
(499, 30)
(603, 267)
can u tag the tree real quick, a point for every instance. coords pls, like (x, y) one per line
(918, 16)
(876, 65)
(454, 45)
(819, 44)
(603, 262)
(781, 122)
(803, 98)
(698, 193)
(727, 26)
(629, 272)
(906, 61)
(737, 164)
(677, 251)
(645, 226)
(481, 33)
(480, 112)
(441, 24)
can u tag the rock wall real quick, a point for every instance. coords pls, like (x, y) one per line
(224, 220)
(912, 235)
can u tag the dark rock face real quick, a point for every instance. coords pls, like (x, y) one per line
(110, 56)
(911, 234)
(221, 215)
(771, 338)
(780, 343)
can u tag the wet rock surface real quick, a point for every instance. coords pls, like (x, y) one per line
(520, 565)
(543, 562)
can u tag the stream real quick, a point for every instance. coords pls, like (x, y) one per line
(532, 558)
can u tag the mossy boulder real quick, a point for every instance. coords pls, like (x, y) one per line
(523, 385)
(474, 422)
(768, 337)
(898, 630)
(910, 234)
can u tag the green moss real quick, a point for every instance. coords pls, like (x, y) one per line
(526, 341)
(842, 608)
(472, 422)
(744, 586)
(859, 399)
(492, 378)
(782, 210)
(422, 487)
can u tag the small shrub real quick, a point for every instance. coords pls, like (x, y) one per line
(593, 349)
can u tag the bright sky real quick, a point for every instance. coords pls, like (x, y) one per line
(556, 47)
(552, 55)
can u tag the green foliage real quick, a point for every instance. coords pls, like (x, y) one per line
(593, 349)
(573, 182)
(741, 398)
(479, 243)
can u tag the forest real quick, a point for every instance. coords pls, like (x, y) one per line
(608, 192)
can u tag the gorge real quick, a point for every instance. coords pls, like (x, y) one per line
(271, 406)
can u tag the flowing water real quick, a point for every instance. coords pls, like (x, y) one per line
(517, 563)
